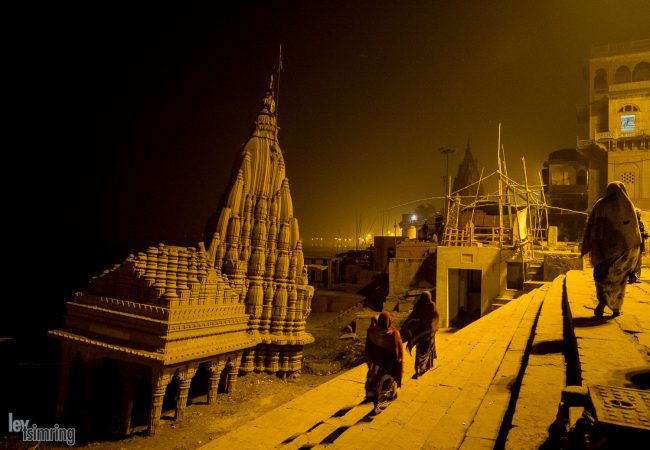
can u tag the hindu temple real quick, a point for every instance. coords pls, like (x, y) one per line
(171, 322)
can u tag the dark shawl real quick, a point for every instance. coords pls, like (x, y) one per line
(612, 227)
(384, 347)
(423, 321)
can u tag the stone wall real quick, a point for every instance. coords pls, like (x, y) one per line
(406, 274)
(558, 263)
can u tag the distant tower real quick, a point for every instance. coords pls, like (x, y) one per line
(254, 240)
(468, 173)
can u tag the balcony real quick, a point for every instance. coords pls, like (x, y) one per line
(606, 135)
(630, 86)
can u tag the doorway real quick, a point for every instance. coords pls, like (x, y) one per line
(464, 293)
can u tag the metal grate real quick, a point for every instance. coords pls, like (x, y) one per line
(621, 406)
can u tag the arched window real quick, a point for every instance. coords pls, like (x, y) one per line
(623, 75)
(628, 108)
(641, 72)
(600, 79)
(562, 175)
(581, 177)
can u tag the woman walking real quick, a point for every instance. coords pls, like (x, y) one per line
(383, 354)
(613, 240)
(419, 331)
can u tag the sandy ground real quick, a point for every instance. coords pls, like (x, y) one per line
(254, 395)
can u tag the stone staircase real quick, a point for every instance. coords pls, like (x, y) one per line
(505, 298)
(534, 276)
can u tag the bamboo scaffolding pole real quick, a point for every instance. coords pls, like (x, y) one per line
(500, 189)
(539, 174)
(478, 188)
(532, 223)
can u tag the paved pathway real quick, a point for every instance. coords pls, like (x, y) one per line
(611, 349)
(472, 375)
(506, 368)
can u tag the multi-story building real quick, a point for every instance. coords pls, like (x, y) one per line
(619, 113)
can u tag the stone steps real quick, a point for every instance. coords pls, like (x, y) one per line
(536, 409)
(466, 396)
(529, 285)
(461, 403)
(505, 298)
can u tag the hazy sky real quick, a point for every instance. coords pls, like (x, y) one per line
(137, 113)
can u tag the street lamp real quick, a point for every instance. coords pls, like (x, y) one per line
(446, 151)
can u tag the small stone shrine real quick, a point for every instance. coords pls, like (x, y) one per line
(174, 322)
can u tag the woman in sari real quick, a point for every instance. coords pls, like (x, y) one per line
(383, 354)
(613, 240)
(419, 331)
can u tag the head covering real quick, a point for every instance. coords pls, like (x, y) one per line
(612, 227)
(384, 346)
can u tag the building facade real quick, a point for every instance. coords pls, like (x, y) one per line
(619, 113)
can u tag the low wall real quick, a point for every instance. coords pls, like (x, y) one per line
(556, 264)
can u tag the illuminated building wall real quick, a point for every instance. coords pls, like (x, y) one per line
(619, 113)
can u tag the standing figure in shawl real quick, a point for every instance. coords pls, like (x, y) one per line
(613, 239)
(636, 276)
(383, 354)
(419, 331)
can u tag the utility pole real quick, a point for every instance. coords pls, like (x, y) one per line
(446, 151)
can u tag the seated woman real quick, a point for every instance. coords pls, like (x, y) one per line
(383, 354)
(419, 331)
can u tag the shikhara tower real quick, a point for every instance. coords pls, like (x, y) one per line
(254, 240)
(173, 317)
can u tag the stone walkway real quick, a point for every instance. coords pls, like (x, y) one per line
(497, 382)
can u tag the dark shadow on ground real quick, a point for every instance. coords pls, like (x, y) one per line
(584, 322)
(548, 347)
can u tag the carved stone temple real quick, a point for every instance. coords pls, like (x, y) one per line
(174, 322)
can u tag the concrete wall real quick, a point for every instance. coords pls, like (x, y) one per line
(486, 259)
(627, 164)
(415, 249)
(405, 274)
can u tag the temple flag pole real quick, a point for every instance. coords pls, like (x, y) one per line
(277, 94)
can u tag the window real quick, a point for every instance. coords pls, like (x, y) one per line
(628, 122)
(600, 79)
(641, 72)
(581, 177)
(628, 108)
(623, 75)
(563, 176)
